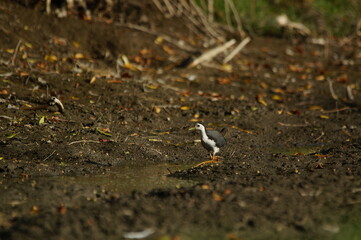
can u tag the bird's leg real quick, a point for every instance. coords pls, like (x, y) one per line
(213, 159)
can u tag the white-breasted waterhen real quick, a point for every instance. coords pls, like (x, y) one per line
(212, 141)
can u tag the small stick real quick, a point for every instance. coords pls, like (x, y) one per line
(210, 54)
(330, 85)
(15, 53)
(210, 10)
(84, 141)
(237, 49)
(336, 110)
(293, 125)
(318, 138)
(349, 93)
(49, 156)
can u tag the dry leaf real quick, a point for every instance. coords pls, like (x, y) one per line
(4, 92)
(277, 98)
(185, 108)
(51, 58)
(168, 50)
(320, 77)
(79, 56)
(156, 109)
(114, 81)
(315, 108)
(342, 79)
(324, 117)
(217, 197)
(223, 80)
(260, 100)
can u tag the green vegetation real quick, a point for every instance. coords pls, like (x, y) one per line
(335, 17)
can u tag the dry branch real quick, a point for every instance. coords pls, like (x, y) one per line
(210, 54)
(237, 50)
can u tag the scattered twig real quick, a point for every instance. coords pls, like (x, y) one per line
(84, 141)
(210, 54)
(293, 125)
(349, 93)
(336, 110)
(237, 49)
(319, 137)
(15, 53)
(330, 85)
(51, 154)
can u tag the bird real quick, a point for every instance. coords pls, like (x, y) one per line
(212, 141)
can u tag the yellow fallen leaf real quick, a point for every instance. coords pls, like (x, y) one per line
(315, 108)
(130, 66)
(79, 56)
(185, 108)
(11, 135)
(320, 78)
(158, 40)
(51, 58)
(324, 117)
(152, 86)
(154, 140)
(29, 45)
(10, 50)
(42, 120)
(277, 98)
(76, 44)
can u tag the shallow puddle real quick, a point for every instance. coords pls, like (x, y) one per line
(126, 179)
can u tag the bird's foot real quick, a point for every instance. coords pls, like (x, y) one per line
(213, 160)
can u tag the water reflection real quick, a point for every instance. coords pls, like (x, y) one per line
(126, 179)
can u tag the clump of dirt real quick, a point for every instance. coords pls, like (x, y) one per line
(291, 166)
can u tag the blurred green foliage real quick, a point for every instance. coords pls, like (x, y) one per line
(331, 17)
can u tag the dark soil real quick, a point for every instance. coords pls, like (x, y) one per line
(290, 169)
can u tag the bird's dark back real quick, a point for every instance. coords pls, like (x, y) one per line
(217, 137)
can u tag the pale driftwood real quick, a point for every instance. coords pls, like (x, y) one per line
(237, 49)
(178, 43)
(210, 54)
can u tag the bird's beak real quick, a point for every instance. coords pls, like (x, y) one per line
(192, 129)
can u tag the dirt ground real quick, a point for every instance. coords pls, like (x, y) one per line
(290, 169)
